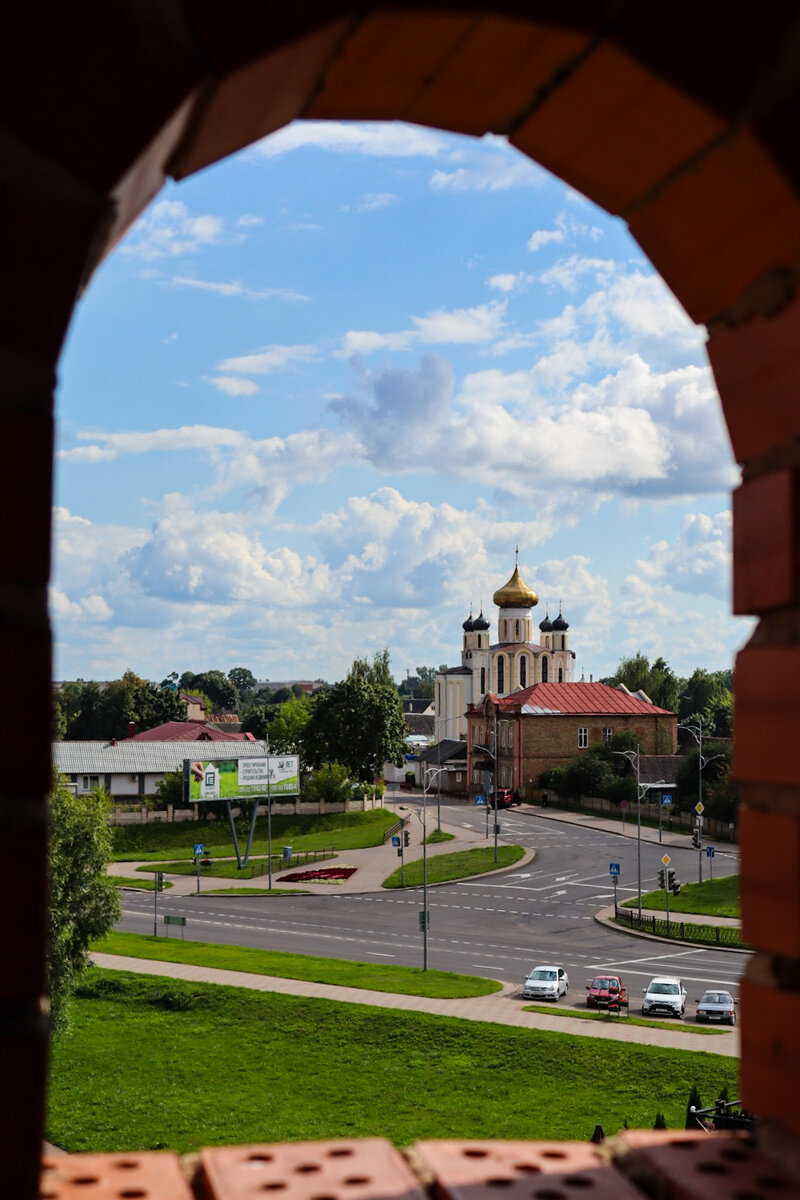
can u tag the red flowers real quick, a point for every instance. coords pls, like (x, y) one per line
(323, 875)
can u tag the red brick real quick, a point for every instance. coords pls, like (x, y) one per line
(695, 1165)
(757, 369)
(367, 1169)
(613, 130)
(156, 1175)
(718, 228)
(770, 1031)
(765, 529)
(767, 715)
(257, 99)
(770, 873)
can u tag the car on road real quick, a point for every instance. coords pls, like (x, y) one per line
(715, 1005)
(607, 992)
(505, 798)
(545, 983)
(664, 994)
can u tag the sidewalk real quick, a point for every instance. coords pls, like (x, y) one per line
(681, 841)
(503, 1008)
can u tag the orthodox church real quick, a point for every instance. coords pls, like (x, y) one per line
(514, 661)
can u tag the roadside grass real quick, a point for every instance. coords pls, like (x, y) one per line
(377, 977)
(713, 898)
(159, 1064)
(459, 865)
(145, 885)
(552, 1011)
(226, 868)
(348, 831)
(439, 835)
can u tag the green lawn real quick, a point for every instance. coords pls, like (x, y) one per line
(152, 1063)
(459, 865)
(439, 835)
(226, 868)
(582, 1015)
(379, 977)
(714, 898)
(145, 885)
(347, 831)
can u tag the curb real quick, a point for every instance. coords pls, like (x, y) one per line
(527, 857)
(603, 917)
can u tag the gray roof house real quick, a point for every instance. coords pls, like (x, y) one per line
(127, 770)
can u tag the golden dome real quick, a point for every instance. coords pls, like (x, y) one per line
(515, 593)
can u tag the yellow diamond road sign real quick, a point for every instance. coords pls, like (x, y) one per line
(665, 860)
(699, 808)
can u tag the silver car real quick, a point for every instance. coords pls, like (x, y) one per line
(545, 983)
(716, 1006)
(664, 994)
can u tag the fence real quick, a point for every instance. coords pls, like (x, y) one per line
(398, 827)
(261, 865)
(671, 821)
(683, 931)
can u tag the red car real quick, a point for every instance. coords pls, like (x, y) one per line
(607, 992)
(505, 798)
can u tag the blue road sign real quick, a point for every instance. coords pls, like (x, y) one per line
(710, 851)
(198, 849)
(613, 868)
(395, 839)
(480, 799)
(666, 799)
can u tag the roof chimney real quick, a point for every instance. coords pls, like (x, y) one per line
(131, 728)
(113, 742)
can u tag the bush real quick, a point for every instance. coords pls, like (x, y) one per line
(554, 781)
(622, 788)
(587, 776)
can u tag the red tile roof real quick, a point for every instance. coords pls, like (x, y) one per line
(186, 731)
(560, 699)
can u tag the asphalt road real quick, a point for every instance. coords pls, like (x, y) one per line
(497, 926)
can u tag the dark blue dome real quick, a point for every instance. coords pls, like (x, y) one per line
(468, 625)
(480, 622)
(559, 623)
(546, 625)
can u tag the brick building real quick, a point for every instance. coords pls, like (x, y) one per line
(549, 724)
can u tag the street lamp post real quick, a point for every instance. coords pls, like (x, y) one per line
(702, 761)
(427, 776)
(641, 790)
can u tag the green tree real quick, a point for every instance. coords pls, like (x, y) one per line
(658, 681)
(215, 685)
(169, 790)
(258, 719)
(716, 778)
(422, 684)
(244, 681)
(287, 729)
(359, 721)
(84, 903)
(330, 784)
(589, 775)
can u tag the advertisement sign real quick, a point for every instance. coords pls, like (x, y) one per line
(238, 778)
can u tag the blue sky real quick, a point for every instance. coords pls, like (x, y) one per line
(320, 392)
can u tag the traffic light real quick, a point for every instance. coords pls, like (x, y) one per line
(696, 836)
(406, 838)
(673, 883)
(662, 878)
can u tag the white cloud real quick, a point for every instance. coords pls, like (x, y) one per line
(168, 229)
(233, 386)
(380, 139)
(371, 201)
(236, 288)
(171, 337)
(509, 281)
(89, 608)
(248, 220)
(271, 358)
(697, 560)
(365, 341)
(568, 272)
(463, 326)
(492, 166)
(108, 446)
(567, 228)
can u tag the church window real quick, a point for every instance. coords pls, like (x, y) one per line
(563, 641)
(560, 674)
(547, 642)
(479, 641)
(523, 672)
(544, 669)
(483, 680)
(516, 629)
(501, 674)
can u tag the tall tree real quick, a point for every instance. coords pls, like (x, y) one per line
(244, 681)
(84, 903)
(359, 721)
(287, 729)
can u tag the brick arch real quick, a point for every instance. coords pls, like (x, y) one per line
(674, 116)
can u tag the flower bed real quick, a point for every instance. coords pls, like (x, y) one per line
(323, 875)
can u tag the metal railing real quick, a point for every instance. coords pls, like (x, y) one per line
(683, 931)
(398, 827)
(260, 866)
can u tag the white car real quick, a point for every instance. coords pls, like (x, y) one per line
(665, 994)
(545, 983)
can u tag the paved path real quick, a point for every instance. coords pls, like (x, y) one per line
(503, 1008)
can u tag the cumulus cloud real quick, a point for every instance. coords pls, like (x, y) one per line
(379, 139)
(565, 228)
(458, 326)
(490, 165)
(232, 385)
(697, 560)
(271, 358)
(87, 609)
(168, 229)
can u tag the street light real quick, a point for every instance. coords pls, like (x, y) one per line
(702, 760)
(427, 776)
(641, 790)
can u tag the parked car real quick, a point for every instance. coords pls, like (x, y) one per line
(545, 983)
(664, 994)
(716, 1006)
(505, 798)
(607, 992)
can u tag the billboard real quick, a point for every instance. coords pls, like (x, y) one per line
(238, 778)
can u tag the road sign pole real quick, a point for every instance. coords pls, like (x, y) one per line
(615, 894)
(269, 831)
(155, 906)
(402, 860)
(711, 867)
(197, 861)
(666, 893)
(700, 851)
(660, 810)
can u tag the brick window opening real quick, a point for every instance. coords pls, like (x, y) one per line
(583, 737)
(608, 733)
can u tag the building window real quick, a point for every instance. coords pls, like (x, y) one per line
(511, 737)
(90, 782)
(458, 777)
(483, 680)
(563, 641)
(501, 674)
(523, 672)
(560, 674)
(545, 669)
(583, 737)
(479, 641)
(503, 735)
(516, 629)
(608, 733)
